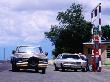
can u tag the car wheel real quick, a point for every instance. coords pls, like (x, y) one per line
(90, 68)
(14, 68)
(75, 70)
(56, 68)
(36, 70)
(84, 69)
(63, 69)
(43, 71)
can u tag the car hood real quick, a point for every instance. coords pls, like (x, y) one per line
(72, 60)
(28, 55)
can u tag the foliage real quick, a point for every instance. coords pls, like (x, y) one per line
(107, 62)
(71, 32)
(106, 32)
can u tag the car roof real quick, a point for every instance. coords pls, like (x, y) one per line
(28, 46)
(69, 54)
(83, 55)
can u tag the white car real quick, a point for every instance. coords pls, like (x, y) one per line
(29, 57)
(69, 61)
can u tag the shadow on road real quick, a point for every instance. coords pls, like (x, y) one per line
(28, 71)
(69, 70)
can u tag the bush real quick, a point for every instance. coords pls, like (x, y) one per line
(107, 62)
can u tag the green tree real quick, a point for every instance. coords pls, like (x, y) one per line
(106, 32)
(71, 32)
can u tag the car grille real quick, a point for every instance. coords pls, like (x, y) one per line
(72, 63)
(33, 61)
(25, 59)
(78, 63)
(22, 60)
(43, 61)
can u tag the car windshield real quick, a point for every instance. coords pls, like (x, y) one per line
(26, 49)
(70, 56)
(83, 57)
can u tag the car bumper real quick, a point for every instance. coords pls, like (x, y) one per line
(26, 65)
(73, 66)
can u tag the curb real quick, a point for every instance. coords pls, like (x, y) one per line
(104, 68)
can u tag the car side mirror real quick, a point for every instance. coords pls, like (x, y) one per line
(13, 51)
(46, 53)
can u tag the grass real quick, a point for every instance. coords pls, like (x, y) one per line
(107, 64)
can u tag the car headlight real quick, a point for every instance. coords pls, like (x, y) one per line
(43, 61)
(65, 62)
(84, 63)
(69, 62)
(19, 60)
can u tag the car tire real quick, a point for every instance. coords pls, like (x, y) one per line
(14, 68)
(75, 70)
(36, 70)
(56, 68)
(90, 68)
(63, 69)
(43, 71)
(84, 69)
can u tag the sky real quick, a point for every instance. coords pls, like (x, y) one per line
(25, 21)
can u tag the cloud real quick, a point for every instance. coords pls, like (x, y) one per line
(24, 26)
(25, 21)
(89, 5)
(35, 5)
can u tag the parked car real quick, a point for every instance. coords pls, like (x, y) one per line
(83, 57)
(29, 57)
(69, 61)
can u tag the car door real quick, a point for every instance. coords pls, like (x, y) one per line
(58, 61)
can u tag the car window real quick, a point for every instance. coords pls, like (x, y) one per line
(70, 56)
(59, 56)
(28, 49)
(83, 58)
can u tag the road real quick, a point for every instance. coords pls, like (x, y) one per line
(6, 75)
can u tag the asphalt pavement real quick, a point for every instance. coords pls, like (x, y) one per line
(6, 75)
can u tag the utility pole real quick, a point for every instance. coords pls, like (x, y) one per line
(4, 53)
(96, 38)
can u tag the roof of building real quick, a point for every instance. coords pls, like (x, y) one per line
(103, 41)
